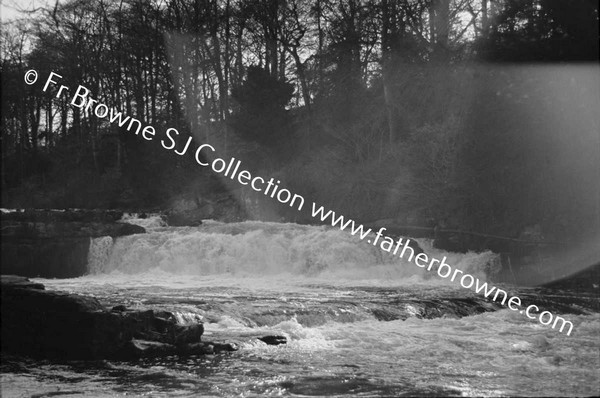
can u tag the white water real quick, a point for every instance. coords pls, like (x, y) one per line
(354, 317)
(263, 249)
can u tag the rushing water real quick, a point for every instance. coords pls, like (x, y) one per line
(358, 322)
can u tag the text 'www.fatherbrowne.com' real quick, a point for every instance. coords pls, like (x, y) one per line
(402, 248)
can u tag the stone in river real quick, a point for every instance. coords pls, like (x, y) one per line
(273, 340)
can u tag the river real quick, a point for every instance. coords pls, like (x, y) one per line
(358, 322)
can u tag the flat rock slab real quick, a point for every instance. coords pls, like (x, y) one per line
(53, 324)
(66, 215)
(29, 230)
(19, 282)
(273, 340)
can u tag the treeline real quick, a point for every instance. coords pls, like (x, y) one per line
(423, 111)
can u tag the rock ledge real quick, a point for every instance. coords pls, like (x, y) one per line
(59, 325)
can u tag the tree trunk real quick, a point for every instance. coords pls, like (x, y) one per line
(442, 27)
(302, 77)
(385, 60)
(320, 48)
(485, 26)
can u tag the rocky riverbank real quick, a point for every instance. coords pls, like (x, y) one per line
(52, 324)
(55, 243)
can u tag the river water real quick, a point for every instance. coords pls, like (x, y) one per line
(358, 322)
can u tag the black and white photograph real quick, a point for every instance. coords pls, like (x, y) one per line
(299, 198)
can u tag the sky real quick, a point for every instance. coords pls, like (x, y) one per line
(9, 9)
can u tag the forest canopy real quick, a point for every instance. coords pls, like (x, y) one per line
(477, 114)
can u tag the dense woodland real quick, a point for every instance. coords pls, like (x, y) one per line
(480, 115)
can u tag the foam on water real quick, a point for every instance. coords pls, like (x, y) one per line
(352, 315)
(337, 345)
(264, 249)
(149, 221)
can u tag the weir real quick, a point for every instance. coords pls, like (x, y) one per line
(262, 249)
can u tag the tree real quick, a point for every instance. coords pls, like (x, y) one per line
(543, 30)
(261, 100)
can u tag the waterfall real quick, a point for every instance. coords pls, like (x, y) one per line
(254, 248)
(99, 253)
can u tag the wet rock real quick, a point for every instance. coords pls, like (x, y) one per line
(28, 230)
(144, 348)
(184, 218)
(385, 315)
(187, 334)
(54, 324)
(208, 348)
(224, 347)
(67, 215)
(48, 324)
(55, 244)
(451, 307)
(19, 282)
(201, 349)
(189, 211)
(273, 340)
